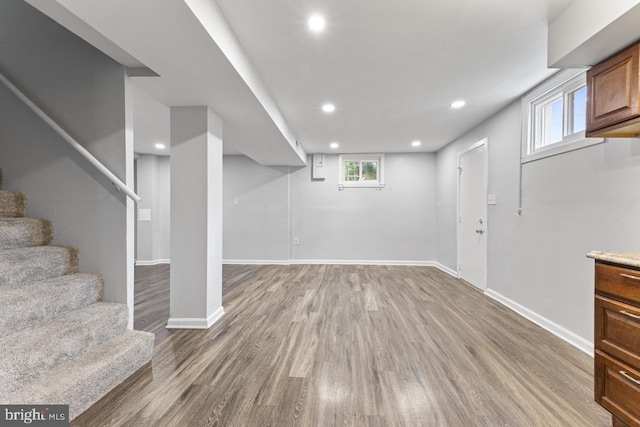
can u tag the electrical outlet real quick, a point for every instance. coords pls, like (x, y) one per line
(296, 241)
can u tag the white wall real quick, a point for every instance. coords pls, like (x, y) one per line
(397, 223)
(151, 122)
(84, 91)
(151, 125)
(257, 228)
(572, 203)
(153, 186)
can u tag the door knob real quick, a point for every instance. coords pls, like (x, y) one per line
(479, 230)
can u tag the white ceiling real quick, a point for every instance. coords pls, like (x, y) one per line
(392, 68)
(194, 68)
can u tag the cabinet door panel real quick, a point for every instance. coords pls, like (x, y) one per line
(612, 90)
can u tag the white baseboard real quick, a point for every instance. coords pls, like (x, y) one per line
(447, 270)
(195, 323)
(255, 262)
(360, 262)
(557, 330)
(153, 261)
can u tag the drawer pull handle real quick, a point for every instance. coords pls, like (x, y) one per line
(629, 377)
(629, 276)
(626, 313)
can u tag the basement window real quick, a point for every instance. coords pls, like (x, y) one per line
(554, 116)
(361, 170)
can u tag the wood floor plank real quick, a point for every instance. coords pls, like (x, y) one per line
(329, 345)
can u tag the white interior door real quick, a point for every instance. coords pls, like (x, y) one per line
(472, 215)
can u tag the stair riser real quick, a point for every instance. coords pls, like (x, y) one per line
(28, 265)
(25, 232)
(25, 358)
(27, 306)
(13, 205)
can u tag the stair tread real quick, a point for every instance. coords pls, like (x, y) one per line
(28, 305)
(58, 343)
(28, 354)
(13, 204)
(25, 232)
(87, 378)
(27, 265)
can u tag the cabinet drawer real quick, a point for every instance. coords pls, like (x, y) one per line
(617, 330)
(617, 388)
(618, 282)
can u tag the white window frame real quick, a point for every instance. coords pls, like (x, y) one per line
(558, 86)
(361, 158)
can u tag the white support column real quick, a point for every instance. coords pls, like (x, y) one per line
(196, 218)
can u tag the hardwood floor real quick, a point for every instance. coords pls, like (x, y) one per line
(151, 300)
(354, 346)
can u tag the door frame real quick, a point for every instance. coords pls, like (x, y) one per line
(475, 147)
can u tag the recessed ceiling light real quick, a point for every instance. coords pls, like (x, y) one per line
(316, 23)
(328, 108)
(416, 143)
(160, 146)
(458, 104)
(334, 145)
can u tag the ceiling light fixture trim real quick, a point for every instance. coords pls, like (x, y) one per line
(316, 23)
(328, 108)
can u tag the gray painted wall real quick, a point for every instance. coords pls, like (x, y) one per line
(151, 122)
(151, 125)
(572, 203)
(84, 91)
(153, 186)
(257, 228)
(397, 223)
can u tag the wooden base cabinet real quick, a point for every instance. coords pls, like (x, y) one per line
(617, 342)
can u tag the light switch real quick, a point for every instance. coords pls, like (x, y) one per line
(491, 199)
(235, 202)
(144, 215)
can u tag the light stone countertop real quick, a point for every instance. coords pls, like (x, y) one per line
(630, 259)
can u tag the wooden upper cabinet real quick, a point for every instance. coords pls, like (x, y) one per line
(612, 96)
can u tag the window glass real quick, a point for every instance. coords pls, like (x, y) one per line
(351, 171)
(579, 100)
(369, 171)
(550, 123)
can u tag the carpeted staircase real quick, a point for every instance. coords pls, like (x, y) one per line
(59, 342)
